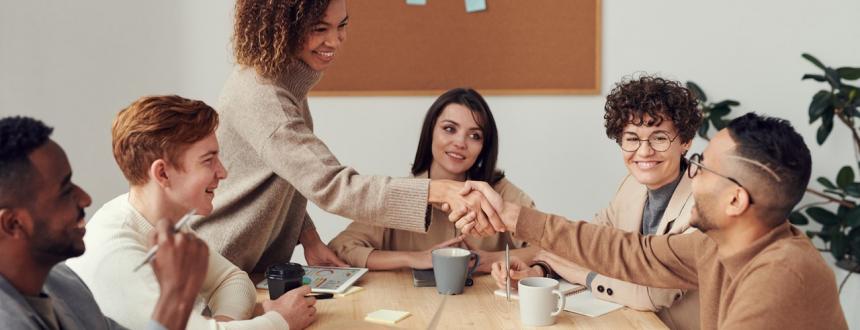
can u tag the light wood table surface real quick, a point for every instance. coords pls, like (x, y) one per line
(476, 308)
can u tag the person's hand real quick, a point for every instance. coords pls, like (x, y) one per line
(424, 259)
(519, 270)
(465, 221)
(179, 266)
(316, 252)
(565, 268)
(448, 195)
(486, 257)
(298, 310)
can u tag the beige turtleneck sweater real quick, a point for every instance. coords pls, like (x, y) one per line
(276, 164)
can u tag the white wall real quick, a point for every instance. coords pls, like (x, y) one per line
(75, 64)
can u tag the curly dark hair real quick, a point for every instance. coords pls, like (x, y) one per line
(268, 34)
(19, 136)
(660, 99)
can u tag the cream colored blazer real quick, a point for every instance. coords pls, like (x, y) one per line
(679, 309)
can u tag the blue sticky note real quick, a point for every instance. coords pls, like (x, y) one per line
(475, 5)
(416, 2)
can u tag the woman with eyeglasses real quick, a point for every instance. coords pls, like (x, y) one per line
(654, 121)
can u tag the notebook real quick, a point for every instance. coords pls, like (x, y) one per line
(584, 303)
(565, 287)
(578, 299)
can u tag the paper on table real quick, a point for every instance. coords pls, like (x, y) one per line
(564, 286)
(584, 303)
(416, 2)
(386, 316)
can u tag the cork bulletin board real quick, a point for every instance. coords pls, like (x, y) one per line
(513, 47)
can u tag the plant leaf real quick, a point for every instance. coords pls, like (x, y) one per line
(845, 177)
(730, 103)
(719, 124)
(849, 73)
(833, 78)
(703, 130)
(853, 189)
(820, 103)
(822, 216)
(854, 241)
(719, 111)
(697, 91)
(825, 233)
(816, 77)
(826, 182)
(838, 245)
(814, 60)
(797, 218)
(852, 218)
(825, 128)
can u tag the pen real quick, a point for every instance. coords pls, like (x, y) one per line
(154, 249)
(507, 272)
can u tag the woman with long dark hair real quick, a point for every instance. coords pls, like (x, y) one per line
(459, 141)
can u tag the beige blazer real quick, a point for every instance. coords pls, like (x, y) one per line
(679, 309)
(358, 240)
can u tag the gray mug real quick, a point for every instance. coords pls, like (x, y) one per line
(451, 269)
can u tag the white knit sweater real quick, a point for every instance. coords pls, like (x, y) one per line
(117, 240)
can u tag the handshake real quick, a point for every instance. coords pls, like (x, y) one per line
(474, 207)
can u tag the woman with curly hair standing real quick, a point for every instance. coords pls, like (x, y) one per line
(275, 161)
(653, 120)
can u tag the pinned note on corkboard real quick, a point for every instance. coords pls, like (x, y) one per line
(512, 47)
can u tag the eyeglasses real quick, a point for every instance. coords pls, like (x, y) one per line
(659, 141)
(696, 164)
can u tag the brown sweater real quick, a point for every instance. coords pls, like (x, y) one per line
(778, 282)
(276, 164)
(355, 244)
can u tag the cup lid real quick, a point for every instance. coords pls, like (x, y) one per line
(285, 270)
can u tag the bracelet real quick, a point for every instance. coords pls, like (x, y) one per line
(547, 270)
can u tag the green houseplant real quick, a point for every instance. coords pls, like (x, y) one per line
(713, 113)
(836, 211)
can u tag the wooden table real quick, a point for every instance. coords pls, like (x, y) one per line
(476, 308)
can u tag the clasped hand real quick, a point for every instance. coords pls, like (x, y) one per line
(478, 210)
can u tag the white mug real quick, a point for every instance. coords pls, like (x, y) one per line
(540, 301)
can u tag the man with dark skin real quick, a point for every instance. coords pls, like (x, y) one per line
(42, 225)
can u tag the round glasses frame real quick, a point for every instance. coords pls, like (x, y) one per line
(656, 146)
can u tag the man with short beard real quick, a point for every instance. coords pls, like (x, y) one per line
(42, 225)
(752, 268)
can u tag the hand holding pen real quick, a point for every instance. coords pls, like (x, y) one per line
(180, 265)
(176, 228)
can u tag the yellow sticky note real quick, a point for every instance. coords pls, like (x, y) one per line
(349, 291)
(386, 316)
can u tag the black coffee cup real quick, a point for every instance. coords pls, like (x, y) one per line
(283, 277)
